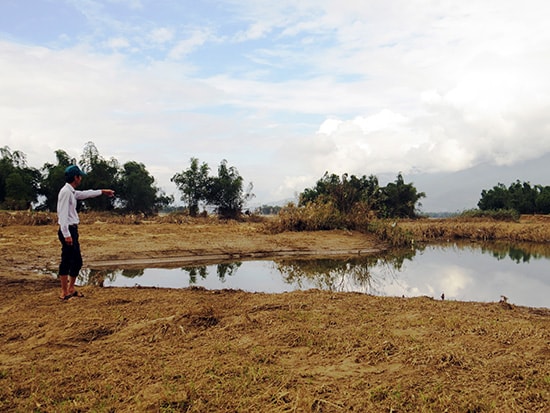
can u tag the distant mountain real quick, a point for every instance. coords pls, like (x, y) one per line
(459, 191)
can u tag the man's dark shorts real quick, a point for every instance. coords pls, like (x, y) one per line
(71, 258)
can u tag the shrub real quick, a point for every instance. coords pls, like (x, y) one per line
(390, 232)
(311, 217)
(315, 216)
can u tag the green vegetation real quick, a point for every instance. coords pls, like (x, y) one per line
(52, 180)
(352, 203)
(22, 187)
(101, 173)
(134, 187)
(137, 190)
(346, 201)
(18, 183)
(347, 193)
(519, 196)
(223, 192)
(193, 183)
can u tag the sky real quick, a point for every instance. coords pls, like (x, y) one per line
(455, 95)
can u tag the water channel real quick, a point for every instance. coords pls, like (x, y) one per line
(465, 272)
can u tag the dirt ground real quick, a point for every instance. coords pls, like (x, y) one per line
(193, 350)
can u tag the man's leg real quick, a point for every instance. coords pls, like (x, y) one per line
(72, 289)
(76, 261)
(64, 266)
(64, 286)
(71, 263)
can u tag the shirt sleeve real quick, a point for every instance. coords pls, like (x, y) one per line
(90, 193)
(63, 201)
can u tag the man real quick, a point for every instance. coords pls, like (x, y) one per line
(71, 258)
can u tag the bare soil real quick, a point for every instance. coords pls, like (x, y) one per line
(193, 350)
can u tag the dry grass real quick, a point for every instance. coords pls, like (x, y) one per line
(528, 229)
(193, 350)
(8, 218)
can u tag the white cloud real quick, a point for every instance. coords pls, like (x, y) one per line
(183, 47)
(118, 43)
(309, 86)
(162, 35)
(256, 30)
(329, 126)
(385, 119)
(293, 185)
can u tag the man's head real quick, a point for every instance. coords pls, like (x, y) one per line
(73, 172)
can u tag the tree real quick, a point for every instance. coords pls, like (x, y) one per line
(100, 174)
(344, 192)
(53, 179)
(519, 196)
(193, 183)
(399, 199)
(542, 201)
(522, 197)
(496, 198)
(19, 184)
(226, 193)
(137, 191)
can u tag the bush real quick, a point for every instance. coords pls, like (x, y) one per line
(311, 217)
(315, 216)
(389, 232)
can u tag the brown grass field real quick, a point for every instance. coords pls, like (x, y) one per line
(194, 350)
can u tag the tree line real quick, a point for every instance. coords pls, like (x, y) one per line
(395, 200)
(25, 187)
(518, 196)
(22, 186)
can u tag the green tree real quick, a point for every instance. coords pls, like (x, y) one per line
(100, 174)
(137, 191)
(193, 184)
(542, 201)
(523, 197)
(519, 196)
(53, 179)
(19, 184)
(399, 199)
(226, 193)
(497, 197)
(344, 192)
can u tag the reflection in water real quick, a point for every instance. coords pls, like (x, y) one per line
(201, 271)
(352, 274)
(461, 271)
(518, 253)
(222, 270)
(99, 277)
